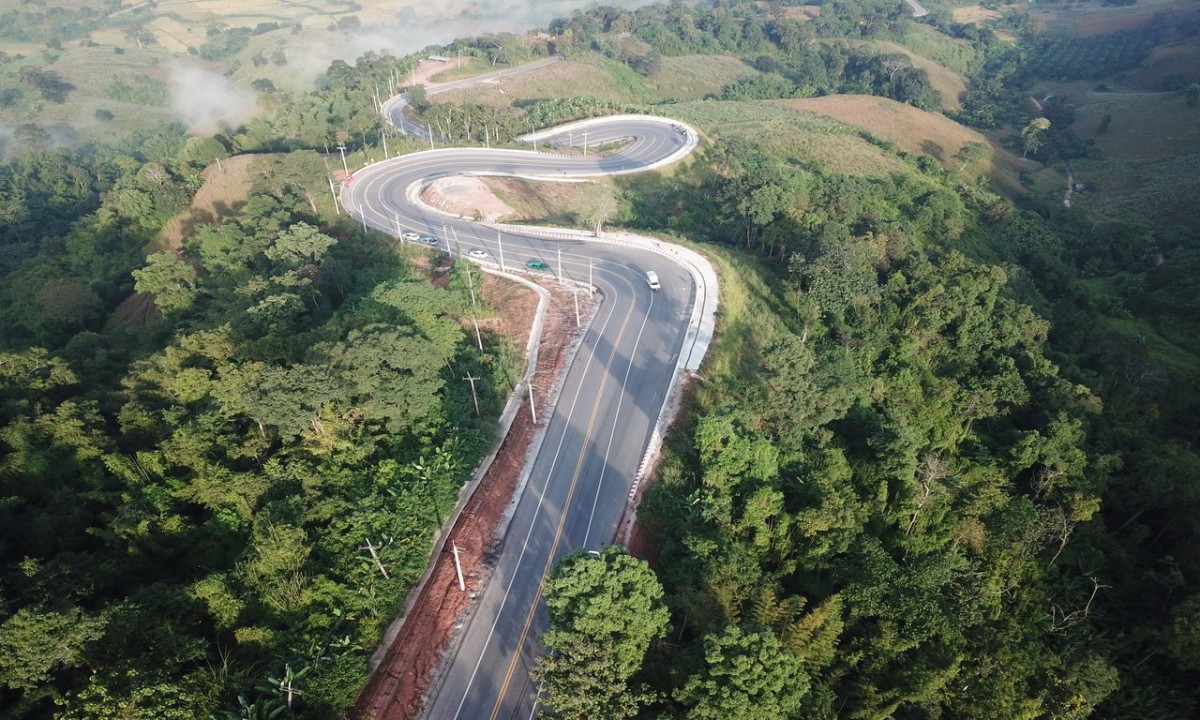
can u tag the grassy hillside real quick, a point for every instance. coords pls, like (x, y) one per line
(918, 132)
(947, 82)
(687, 77)
(796, 136)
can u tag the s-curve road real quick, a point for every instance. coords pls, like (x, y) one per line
(611, 396)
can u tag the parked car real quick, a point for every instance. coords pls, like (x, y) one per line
(429, 240)
(535, 264)
(410, 237)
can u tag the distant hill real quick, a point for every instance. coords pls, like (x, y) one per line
(916, 131)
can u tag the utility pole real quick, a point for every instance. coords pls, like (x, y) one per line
(383, 136)
(475, 397)
(399, 234)
(336, 210)
(364, 219)
(474, 321)
(430, 137)
(576, 296)
(500, 242)
(345, 167)
(560, 271)
(374, 550)
(532, 407)
(285, 686)
(462, 586)
(585, 142)
(590, 285)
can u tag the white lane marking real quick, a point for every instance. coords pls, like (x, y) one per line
(533, 522)
(616, 420)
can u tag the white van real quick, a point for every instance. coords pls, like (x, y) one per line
(652, 278)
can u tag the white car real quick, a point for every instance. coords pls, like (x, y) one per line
(410, 237)
(477, 254)
(652, 278)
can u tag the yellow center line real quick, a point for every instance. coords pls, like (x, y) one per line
(562, 520)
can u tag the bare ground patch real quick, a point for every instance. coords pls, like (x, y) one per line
(466, 196)
(554, 203)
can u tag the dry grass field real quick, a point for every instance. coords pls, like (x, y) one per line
(687, 77)
(911, 129)
(947, 82)
(973, 15)
(918, 132)
(801, 12)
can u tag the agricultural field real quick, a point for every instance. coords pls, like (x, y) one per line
(1094, 17)
(1146, 137)
(588, 76)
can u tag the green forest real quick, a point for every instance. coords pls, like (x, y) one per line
(940, 463)
(201, 447)
(926, 473)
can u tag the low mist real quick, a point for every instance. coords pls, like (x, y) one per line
(409, 31)
(207, 101)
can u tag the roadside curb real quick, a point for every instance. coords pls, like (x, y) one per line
(535, 445)
(507, 417)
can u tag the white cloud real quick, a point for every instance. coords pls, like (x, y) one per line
(206, 100)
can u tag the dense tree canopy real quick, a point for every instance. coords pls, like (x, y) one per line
(196, 445)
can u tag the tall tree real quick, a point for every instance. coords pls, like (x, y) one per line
(605, 610)
(746, 675)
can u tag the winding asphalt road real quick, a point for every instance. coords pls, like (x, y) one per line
(611, 397)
